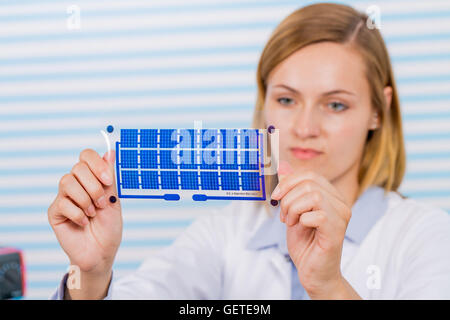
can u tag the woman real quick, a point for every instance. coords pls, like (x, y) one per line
(341, 231)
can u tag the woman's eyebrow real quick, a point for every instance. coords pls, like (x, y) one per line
(338, 91)
(323, 94)
(288, 88)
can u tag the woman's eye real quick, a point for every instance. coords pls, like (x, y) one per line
(337, 106)
(284, 101)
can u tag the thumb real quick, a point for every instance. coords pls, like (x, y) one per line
(110, 157)
(284, 169)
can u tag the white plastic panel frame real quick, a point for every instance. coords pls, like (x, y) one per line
(198, 164)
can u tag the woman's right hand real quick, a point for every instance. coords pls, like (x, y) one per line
(87, 225)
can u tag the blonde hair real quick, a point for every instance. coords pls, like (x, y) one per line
(383, 161)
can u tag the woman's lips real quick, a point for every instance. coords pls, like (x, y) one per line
(305, 154)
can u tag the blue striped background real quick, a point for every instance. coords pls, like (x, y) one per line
(166, 64)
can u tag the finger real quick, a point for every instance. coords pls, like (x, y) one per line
(67, 210)
(294, 195)
(304, 187)
(112, 194)
(90, 183)
(284, 169)
(291, 180)
(72, 189)
(307, 202)
(98, 166)
(308, 195)
(109, 158)
(328, 225)
(313, 219)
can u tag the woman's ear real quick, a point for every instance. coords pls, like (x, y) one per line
(388, 96)
(375, 121)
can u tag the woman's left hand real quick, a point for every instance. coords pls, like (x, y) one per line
(316, 216)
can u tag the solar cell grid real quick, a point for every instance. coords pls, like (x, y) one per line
(213, 163)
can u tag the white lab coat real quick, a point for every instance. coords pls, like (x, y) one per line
(405, 255)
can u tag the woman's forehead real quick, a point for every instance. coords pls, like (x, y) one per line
(322, 66)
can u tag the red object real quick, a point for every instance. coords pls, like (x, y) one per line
(9, 250)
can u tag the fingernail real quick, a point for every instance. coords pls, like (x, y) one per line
(102, 202)
(91, 211)
(110, 156)
(282, 217)
(106, 179)
(276, 192)
(112, 199)
(274, 202)
(85, 221)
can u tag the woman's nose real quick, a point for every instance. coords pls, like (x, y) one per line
(306, 123)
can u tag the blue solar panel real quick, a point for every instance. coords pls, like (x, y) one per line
(188, 159)
(250, 181)
(129, 158)
(169, 180)
(130, 179)
(168, 138)
(189, 180)
(149, 159)
(210, 180)
(166, 161)
(149, 179)
(128, 138)
(249, 160)
(149, 138)
(205, 163)
(229, 160)
(230, 180)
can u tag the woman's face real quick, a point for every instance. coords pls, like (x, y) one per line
(319, 100)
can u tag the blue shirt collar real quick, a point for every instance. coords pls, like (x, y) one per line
(366, 211)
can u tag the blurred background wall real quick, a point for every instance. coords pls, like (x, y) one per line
(167, 63)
